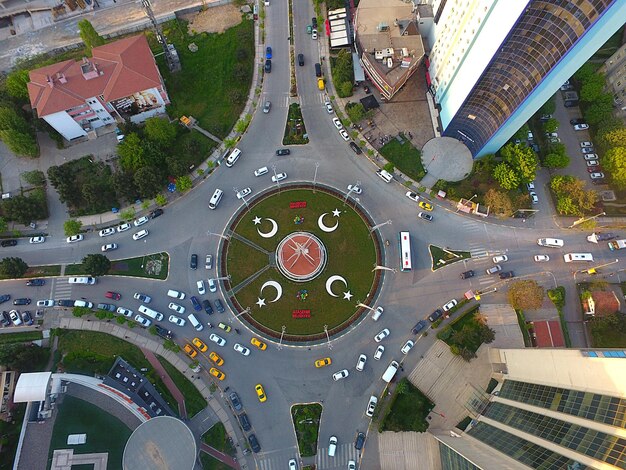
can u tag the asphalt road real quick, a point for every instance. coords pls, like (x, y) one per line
(288, 374)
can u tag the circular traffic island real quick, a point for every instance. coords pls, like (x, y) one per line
(300, 260)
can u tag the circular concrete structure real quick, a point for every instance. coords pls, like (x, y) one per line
(162, 442)
(300, 256)
(447, 159)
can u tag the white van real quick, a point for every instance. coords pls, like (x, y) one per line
(384, 175)
(569, 257)
(158, 316)
(174, 294)
(82, 280)
(233, 157)
(551, 242)
(215, 199)
(390, 372)
(332, 446)
(83, 303)
(194, 322)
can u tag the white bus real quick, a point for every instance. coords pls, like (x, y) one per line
(404, 241)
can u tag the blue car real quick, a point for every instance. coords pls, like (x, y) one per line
(268, 52)
(196, 303)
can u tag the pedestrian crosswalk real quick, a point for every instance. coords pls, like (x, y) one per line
(312, 100)
(276, 460)
(61, 289)
(344, 453)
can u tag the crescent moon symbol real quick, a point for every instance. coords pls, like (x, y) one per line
(275, 285)
(329, 284)
(272, 232)
(326, 228)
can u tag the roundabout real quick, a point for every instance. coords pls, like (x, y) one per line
(299, 261)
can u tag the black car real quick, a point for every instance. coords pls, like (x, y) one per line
(207, 307)
(65, 303)
(467, 274)
(507, 275)
(107, 307)
(218, 306)
(196, 303)
(435, 315)
(244, 421)
(193, 264)
(4, 298)
(5, 243)
(234, 399)
(36, 282)
(21, 301)
(281, 152)
(268, 66)
(300, 60)
(163, 332)
(314, 22)
(156, 213)
(573, 122)
(356, 148)
(419, 327)
(5, 319)
(27, 317)
(254, 443)
(359, 441)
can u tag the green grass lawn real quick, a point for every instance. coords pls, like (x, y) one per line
(10, 432)
(154, 266)
(350, 253)
(295, 128)
(405, 158)
(306, 422)
(196, 148)
(609, 331)
(408, 411)
(441, 257)
(255, 260)
(20, 337)
(40, 271)
(217, 438)
(194, 401)
(105, 433)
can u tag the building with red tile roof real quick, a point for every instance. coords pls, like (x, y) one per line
(120, 81)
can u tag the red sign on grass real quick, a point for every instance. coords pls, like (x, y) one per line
(300, 314)
(297, 205)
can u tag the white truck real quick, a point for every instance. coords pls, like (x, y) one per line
(617, 245)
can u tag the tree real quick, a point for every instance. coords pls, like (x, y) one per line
(34, 177)
(549, 106)
(525, 295)
(615, 137)
(183, 184)
(160, 199)
(592, 88)
(573, 198)
(16, 84)
(96, 264)
(25, 209)
(72, 227)
(355, 112)
(467, 354)
(148, 181)
(486, 334)
(522, 160)
(586, 71)
(131, 153)
(551, 125)
(403, 387)
(3, 225)
(160, 131)
(505, 176)
(614, 162)
(124, 185)
(89, 35)
(13, 267)
(22, 357)
(499, 202)
(20, 143)
(175, 167)
(128, 214)
(389, 168)
(555, 160)
(12, 120)
(597, 112)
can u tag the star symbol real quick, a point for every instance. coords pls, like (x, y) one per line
(336, 212)
(260, 302)
(256, 220)
(347, 295)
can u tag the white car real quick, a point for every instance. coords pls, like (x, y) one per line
(124, 227)
(292, 464)
(351, 465)
(329, 107)
(450, 305)
(177, 308)
(337, 123)
(217, 339)
(279, 177)
(176, 320)
(540, 258)
(201, 289)
(124, 311)
(106, 232)
(342, 374)
(587, 150)
(212, 285)
(37, 240)
(412, 196)
(533, 197)
(592, 162)
(261, 171)
(140, 221)
(143, 321)
(596, 176)
(407, 346)
(371, 406)
(15, 317)
(552, 134)
(344, 135)
(241, 349)
(314, 34)
(243, 193)
(75, 238)
(45, 303)
(146, 299)
(581, 127)
(530, 185)
(141, 234)
(500, 259)
(379, 352)
(360, 363)
(591, 156)
(586, 144)
(355, 189)
(382, 335)
(109, 247)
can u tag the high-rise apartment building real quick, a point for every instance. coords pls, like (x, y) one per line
(615, 71)
(493, 63)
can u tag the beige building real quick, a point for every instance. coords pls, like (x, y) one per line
(615, 71)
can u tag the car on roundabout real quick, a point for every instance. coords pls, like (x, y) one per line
(360, 363)
(218, 374)
(342, 374)
(279, 177)
(379, 352)
(224, 327)
(243, 193)
(258, 343)
(217, 339)
(381, 335)
(241, 349)
(355, 189)
(260, 392)
(198, 343)
(216, 358)
(326, 361)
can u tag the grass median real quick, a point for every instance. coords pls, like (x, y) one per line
(153, 266)
(194, 401)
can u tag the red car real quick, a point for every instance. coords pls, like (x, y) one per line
(113, 295)
(593, 169)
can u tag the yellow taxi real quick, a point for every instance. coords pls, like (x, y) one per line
(425, 205)
(216, 358)
(260, 392)
(218, 374)
(323, 362)
(258, 343)
(199, 344)
(191, 352)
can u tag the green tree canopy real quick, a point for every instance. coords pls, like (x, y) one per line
(555, 160)
(34, 177)
(505, 176)
(525, 295)
(13, 267)
(614, 162)
(183, 184)
(89, 35)
(20, 143)
(10, 119)
(613, 138)
(549, 106)
(522, 160)
(598, 111)
(16, 84)
(131, 153)
(551, 125)
(22, 357)
(72, 227)
(148, 181)
(572, 195)
(160, 131)
(585, 72)
(96, 264)
(592, 88)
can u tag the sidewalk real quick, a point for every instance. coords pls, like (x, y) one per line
(222, 457)
(169, 383)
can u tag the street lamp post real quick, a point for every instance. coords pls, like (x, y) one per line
(247, 310)
(222, 236)
(317, 165)
(375, 227)
(595, 268)
(354, 186)
(359, 304)
(384, 268)
(330, 346)
(585, 219)
(282, 334)
(275, 177)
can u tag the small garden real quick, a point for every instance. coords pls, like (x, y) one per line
(408, 410)
(404, 157)
(343, 73)
(217, 438)
(306, 422)
(444, 257)
(152, 266)
(29, 205)
(466, 333)
(295, 130)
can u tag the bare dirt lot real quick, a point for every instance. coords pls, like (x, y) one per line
(213, 19)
